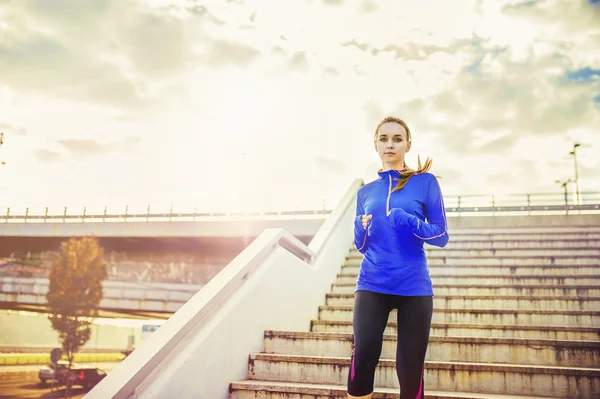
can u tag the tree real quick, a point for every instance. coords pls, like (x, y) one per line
(75, 291)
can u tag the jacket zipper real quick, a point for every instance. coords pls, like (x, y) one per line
(387, 204)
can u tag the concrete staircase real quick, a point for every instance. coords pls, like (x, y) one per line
(516, 315)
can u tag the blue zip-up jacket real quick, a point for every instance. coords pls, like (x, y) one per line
(394, 259)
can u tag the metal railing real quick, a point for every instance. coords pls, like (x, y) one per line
(589, 202)
(455, 205)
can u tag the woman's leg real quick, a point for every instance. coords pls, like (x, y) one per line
(371, 313)
(414, 322)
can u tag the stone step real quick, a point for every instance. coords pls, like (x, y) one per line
(577, 291)
(492, 302)
(458, 252)
(511, 379)
(446, 349)
(486, 316)
(560, 243)
(504, 260)
(536, 270)
(564, 333)
(253, 389)
(560, 231)
(492, 280)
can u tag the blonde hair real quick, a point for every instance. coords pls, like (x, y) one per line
(408, 173)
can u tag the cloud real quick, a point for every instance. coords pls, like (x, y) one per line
(122, 54)
(368, 6)
(47, 156)
(84, 147)
(224, 53)
(330, 166)
(333, 2)
(6, 128)
(299, 62)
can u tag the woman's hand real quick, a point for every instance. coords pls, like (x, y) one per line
(364, 220)
(398, 217)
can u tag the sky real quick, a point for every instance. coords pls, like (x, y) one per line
(265, 105)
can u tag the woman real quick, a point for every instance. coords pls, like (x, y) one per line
(395, 215)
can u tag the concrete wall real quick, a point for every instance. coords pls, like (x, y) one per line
(34, 329)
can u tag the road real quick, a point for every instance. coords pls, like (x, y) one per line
(20, 382)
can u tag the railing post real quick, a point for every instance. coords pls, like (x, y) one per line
(529, 204)
(194, 216)
(126, 210)
(171, 213)
(566, 200)
(46, 215)
(7, 214)
(459, 199)
(83, 217)
(148, 214)
(104, 217)
(26, 214)
(65, 215)
(493, 205)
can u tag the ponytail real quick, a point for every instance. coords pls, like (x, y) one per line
(408, 173)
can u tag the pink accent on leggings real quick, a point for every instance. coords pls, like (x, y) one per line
(420, 394)
(352, 372)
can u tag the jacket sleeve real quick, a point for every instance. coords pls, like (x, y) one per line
(360, 233)
(435, 230)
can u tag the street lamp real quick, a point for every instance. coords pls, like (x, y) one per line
(574, 153)
(564, 185)
(2, 142)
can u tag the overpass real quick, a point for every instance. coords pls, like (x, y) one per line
(208, 231)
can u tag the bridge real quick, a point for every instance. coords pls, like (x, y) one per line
(159, 300)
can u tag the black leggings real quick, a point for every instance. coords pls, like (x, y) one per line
(371, 313)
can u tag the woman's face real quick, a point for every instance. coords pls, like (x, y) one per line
(392, 143)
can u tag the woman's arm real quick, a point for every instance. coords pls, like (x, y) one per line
(360, 233)
(435, 230)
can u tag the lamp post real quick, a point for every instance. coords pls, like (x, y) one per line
(2, 142)
(574, 153)
(564, 185)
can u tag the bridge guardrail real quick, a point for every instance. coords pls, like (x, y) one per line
(456, 205)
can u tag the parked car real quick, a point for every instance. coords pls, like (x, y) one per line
(84, 376)
(48, 371)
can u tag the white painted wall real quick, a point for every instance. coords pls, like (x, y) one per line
(284, 294)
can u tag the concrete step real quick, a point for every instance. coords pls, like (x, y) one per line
(250, 389)
(528, 252)
(560, 243)
(511, 379)
(497, 260)
(537, 236)
(537, 270)
(486, 316)
(446, 349)
(564, 333)
(577, 291)
(492, 302)
(492, 280)
(529, 231)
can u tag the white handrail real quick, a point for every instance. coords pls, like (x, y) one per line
(141, 363)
